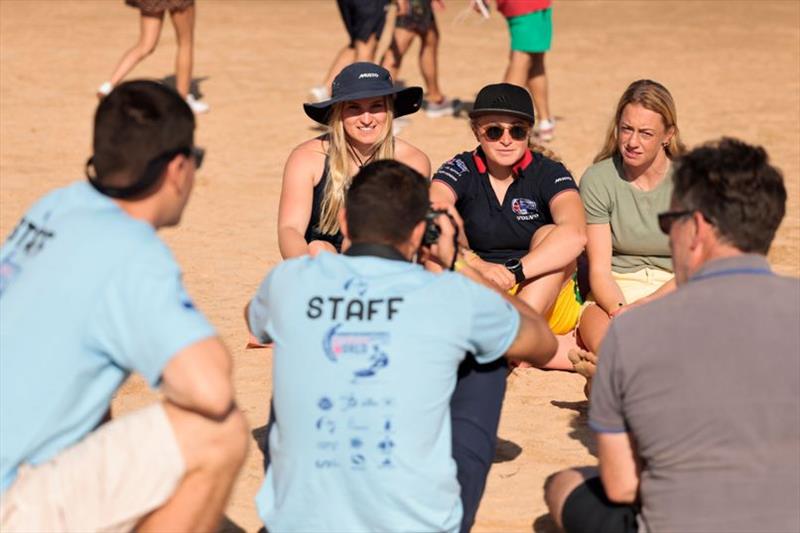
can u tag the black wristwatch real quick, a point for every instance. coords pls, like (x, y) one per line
(515, 267)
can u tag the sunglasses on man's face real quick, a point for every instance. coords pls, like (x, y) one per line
(152, 172)
(495, 132)
(668, 218)
(198, 154)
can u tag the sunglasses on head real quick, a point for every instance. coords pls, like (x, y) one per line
(152, 172)
(494, 132)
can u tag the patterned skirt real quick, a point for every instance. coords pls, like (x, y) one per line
(157, 7)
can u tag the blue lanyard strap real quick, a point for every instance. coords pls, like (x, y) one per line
(735, 271)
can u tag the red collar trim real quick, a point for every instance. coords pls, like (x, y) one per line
(518, 168)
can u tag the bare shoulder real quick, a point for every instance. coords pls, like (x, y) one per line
(315, 148)
(307, 158)
(412, 156)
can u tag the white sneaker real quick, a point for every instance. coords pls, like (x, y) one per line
(104, 89)
(398, 124)
(444, 108)
(319, 93)
(545, 130)
(198, 106)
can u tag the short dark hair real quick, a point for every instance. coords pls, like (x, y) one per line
(384, 202)
(139, 121)
(733, 185)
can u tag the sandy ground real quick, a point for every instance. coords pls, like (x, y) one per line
(733, 68)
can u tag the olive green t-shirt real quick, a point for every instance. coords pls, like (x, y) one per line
(636, 240)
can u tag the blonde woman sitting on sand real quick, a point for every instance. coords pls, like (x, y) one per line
(318, 172)
(628, 185)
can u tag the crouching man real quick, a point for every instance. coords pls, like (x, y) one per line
(88, 294)
(696, 400)
(367, 350)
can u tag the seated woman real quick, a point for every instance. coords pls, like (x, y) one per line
(628, 185)
(359, 120)
(522, 213)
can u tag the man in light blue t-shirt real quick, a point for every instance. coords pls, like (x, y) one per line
(367, 348)
(89, 294)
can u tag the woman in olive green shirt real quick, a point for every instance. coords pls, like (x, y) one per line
(629, 184)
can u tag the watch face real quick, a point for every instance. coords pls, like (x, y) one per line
(513, 264)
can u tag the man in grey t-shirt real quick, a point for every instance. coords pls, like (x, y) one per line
(696, 401)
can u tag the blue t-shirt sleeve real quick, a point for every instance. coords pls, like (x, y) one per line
(258, 312)
(455, 174)
(494, 323)
(605, 408)
(554, 179)
(145, 316)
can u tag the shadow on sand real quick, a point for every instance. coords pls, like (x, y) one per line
(194, 87)
(578, 424)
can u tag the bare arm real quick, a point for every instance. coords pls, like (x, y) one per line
(442, 195)
(412, 156)
(605, 290)
(305, 164)
(619, 467)
(564, 243)
(534, 343)
(198, 378)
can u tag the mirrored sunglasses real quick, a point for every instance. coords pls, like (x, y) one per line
(495, 132)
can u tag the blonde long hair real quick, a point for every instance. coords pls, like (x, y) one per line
(339, 177)
(655, 97)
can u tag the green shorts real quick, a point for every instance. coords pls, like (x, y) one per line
(532, 32)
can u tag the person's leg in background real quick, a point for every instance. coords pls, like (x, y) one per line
(183, 22)
(149, 32)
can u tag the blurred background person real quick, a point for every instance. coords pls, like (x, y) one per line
(182, 14)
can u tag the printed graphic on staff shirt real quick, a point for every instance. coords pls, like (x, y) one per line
(524, 208)
(361, 352)
(24, 243)
(355, 431)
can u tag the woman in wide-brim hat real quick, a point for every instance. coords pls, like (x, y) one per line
(316, 176)
(523, 216)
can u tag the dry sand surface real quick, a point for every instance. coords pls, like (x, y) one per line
(733, 68)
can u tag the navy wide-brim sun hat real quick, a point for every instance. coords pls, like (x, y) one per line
(365, 80)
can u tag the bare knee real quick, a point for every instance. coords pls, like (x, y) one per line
(315, 247)
(230, 440)
(207, 444)
(558, 486)
(145, 49)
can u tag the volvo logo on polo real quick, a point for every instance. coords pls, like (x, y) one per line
(369, 75)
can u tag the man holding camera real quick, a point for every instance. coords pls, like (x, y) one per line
(367, 350)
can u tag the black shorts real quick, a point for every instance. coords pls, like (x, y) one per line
(363, 18)
(587, 509)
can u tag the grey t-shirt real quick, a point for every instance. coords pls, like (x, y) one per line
(636, 240)
(707, 380)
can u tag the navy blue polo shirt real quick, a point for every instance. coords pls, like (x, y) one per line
(498, 232)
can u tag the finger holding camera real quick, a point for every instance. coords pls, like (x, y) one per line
(444, 247)
(455, 217)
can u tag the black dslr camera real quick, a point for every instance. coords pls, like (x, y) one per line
(432, 229)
